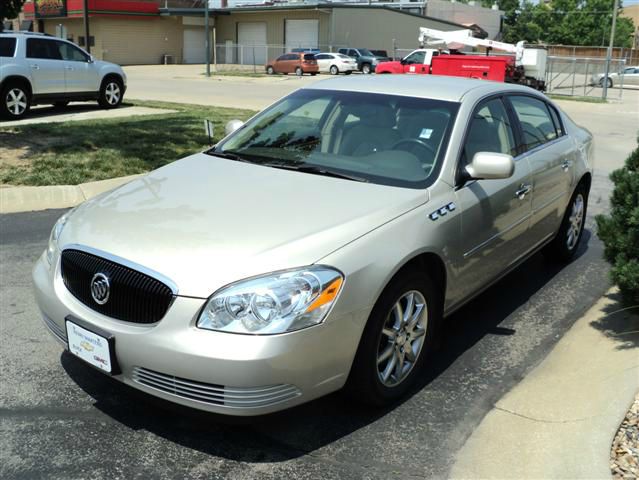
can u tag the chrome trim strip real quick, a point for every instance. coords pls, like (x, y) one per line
(497, 235)
(123, 261)
(542, 146)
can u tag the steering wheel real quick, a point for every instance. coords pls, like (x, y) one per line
(416, 144)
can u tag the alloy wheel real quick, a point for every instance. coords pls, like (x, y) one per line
(16, 101)
(575, 222)
(112, 93)
(402, 338)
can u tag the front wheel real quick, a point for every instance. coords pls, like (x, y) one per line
(334, 70)
(366, 68)
(15, 101)
(270, 70)
(565, 243)
(397, 340)
(299, 72)
(111, 93)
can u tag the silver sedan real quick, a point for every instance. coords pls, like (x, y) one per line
(320, 245)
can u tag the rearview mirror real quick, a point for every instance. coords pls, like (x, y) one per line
(233, 125)
(489, 165)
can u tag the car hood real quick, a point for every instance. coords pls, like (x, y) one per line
(204, 221)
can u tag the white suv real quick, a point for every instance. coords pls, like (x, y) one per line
(41, 69)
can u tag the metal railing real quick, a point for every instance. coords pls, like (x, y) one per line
(583, 76)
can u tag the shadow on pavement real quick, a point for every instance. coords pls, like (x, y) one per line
(290, 434)
(620, 323)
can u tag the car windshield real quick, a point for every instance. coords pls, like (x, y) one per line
(309, 56)
(365, 52)
(384, 139)
(344, 57)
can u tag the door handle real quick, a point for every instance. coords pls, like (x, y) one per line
(566, 165)
(524, 189)
(68, 68)
(35, 67)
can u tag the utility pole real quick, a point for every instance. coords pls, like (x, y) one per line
(609, 52)
(207, 40)
(86, 26)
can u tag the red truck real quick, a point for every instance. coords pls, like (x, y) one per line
(430, 61)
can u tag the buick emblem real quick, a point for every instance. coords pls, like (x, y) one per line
(100, 288)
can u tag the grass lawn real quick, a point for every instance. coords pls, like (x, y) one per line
(70, 153)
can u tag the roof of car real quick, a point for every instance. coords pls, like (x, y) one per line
(422, 86)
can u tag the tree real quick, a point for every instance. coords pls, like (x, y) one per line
(620, 230)
(10, 9)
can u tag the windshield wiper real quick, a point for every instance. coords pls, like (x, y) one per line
(312, 169)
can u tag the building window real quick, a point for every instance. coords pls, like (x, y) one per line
(81, 41)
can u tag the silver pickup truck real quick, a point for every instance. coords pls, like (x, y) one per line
(36, 68)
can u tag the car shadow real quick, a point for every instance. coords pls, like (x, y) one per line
(301, 430)
(52, 112)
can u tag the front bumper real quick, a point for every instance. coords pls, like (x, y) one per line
(219, 372)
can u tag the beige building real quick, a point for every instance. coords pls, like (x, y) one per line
(147, 33)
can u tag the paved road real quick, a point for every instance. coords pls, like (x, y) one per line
(60, 419)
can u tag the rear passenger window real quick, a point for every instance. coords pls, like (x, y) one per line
(489, 131)
(44, 49)
(556, 120)
(536, 123)
(7, 47)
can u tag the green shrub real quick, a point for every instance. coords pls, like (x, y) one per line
(620, 230)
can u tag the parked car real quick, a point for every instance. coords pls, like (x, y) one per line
(321, 244)
(380, 53)
(298, 63)
(366, 60)
(630, 77)
(39, 69)
(335, 63)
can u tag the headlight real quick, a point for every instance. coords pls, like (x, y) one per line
(274, 303)
(55, 235)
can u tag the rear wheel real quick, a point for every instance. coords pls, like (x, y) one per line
(334, 70)
(397, 340)
(16, 100)
(366, 68)
(299, 72)
(564, 245)
(270, 70)
(111, 93)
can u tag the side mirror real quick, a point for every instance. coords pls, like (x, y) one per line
(91, 59)
(232, 125)
(489, 165)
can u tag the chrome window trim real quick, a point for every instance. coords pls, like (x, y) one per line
(540, 147)
(123, 261)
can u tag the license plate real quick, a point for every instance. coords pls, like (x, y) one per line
(94, 349)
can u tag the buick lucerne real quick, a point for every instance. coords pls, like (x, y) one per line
(320, 245)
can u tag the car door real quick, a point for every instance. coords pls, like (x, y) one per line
(414, 63)
(496, 212)
(80, 73)
(551, 155)
(323, 61)
(46, 65)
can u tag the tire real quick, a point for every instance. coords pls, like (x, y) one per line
(366, 68)
(60, 105)
(334, 70)
(15, 100)
(270, 70)
(563, 247)
(299, 72)
(366, 383)
(609, 83)
(111, 93)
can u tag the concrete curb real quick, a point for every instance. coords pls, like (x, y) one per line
(559, 422)
(27, 199)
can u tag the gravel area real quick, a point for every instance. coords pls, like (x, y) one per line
(624, 456)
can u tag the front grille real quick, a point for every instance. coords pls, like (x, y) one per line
(133, 296)
(238, 397)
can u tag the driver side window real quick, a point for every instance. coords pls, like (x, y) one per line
(415, 58)
(489, 131)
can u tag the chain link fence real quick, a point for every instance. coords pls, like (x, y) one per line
(584, 76)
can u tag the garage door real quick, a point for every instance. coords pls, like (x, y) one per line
(301, 34)
(194, 47)
(251, 36)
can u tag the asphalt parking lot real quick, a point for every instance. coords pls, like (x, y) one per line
(62, 420)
